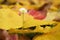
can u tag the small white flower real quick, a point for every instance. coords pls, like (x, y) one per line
(23, 10)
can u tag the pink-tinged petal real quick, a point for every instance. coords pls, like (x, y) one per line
(4, 35)
(32, 12)
(40, 15)
(13, 37)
